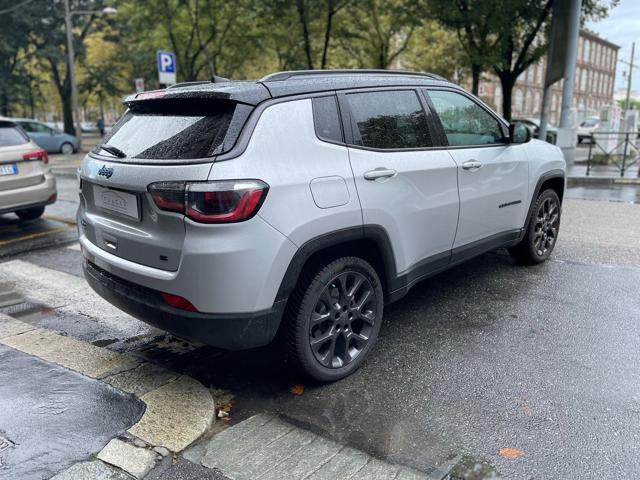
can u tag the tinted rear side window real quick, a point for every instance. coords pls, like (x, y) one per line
(389, 120)
(326, 119)
(170, 129)
(11, 135)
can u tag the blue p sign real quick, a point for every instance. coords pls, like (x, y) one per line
(166, 68)
(166, 62)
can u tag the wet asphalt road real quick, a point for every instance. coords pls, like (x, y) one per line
(489, 355)
(53, 417)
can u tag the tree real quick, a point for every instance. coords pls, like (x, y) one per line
(378, 31)
(476, 24)
(523, 38)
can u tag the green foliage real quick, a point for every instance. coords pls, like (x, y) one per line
(250, 38)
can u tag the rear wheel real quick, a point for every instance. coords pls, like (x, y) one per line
(542, 230)
(30, 213)
(66, 148)
(334, 318)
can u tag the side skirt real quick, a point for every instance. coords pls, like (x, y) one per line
(443, 261)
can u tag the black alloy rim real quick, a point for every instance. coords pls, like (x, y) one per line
(342, 320)
(546, 227)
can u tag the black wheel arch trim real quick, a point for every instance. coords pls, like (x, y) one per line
(551, 174)
(374, 233)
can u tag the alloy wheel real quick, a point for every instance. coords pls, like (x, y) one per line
(342, 320)
(546, 227)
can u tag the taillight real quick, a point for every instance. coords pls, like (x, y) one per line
(176, 301)
(211, 202)
(37, 155)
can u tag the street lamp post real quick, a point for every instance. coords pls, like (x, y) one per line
(71, 61)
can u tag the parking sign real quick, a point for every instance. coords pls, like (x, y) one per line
(166, 67)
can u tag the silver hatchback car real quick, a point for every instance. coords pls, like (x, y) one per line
(26, 182)
(301, 204)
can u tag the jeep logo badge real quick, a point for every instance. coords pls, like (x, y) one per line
(105, 171)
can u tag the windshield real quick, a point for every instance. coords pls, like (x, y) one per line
(590, 122)
(172, 129)
(11, 135)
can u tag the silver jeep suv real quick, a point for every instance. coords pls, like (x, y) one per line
(303, 203)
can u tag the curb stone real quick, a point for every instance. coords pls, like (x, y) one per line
(178, 410)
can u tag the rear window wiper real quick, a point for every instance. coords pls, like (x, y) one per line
(112, 150)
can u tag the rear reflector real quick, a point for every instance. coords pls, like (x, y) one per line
(226, 201)
(37, 155)
(179, 302)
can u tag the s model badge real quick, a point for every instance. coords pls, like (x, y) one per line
(105, 171)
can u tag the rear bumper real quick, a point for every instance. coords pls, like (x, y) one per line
(234, 331)
(28, 197)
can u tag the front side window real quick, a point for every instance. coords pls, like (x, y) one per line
(389, 120)
(464, 121)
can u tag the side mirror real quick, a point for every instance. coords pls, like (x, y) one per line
(519, 133)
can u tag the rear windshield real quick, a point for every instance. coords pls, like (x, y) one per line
(171, 129)
(10, 135)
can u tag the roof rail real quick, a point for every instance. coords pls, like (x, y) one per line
(286, 75)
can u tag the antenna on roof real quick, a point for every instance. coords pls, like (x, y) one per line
(217, 79)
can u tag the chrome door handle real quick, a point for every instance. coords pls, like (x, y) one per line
(471, 165)
(379, 173)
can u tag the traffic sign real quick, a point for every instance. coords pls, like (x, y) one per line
(139, 84)
(166, 67)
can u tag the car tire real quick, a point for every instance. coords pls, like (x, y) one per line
(333, 318)
(542, 230)
(30, 213)
(66, 148)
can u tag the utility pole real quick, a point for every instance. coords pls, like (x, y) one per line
(70, 69)
(566, 135)
(627, 103)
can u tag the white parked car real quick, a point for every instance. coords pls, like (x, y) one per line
(26, 182)
(587, 127)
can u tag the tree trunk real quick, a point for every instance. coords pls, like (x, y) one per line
(475, 78)
(508, 82)
(67, 113)
(302, 14)
(327, 33)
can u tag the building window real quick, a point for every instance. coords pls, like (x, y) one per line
(583, 80)
(539, 74)
(536, 103)
(587, 51)
(519, 99)
(497, 96)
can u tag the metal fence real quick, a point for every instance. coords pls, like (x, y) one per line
(624, 154)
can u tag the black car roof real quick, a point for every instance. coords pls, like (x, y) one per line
(288, 83)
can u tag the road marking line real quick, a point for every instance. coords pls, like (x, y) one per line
(75, 246)
(68, 294)
(35, 235)
(56, 218)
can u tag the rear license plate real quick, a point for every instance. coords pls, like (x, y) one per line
(115, 201)
(10, 169)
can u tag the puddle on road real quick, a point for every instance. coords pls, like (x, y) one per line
(470, 468)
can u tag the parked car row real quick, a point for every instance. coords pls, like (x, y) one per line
(26, 182)
(50, 139)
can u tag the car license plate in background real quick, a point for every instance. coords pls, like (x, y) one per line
(10, 169)
(116, 201)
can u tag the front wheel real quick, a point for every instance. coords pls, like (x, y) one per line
(542, 230)
(334, 318)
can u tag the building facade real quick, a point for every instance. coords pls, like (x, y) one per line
(593, 83)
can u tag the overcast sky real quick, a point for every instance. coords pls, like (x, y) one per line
(622, 27)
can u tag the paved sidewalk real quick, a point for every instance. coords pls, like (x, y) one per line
(266, 448)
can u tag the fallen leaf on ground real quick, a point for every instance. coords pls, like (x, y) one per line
(511, 452)
(527, 410)
(297, 389)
